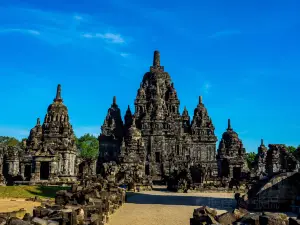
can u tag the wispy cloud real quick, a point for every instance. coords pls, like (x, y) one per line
(124, 55)
(24, 31)
(109, 37)
(224, 33)
(58, 28)
(76, 17)
(206, 87)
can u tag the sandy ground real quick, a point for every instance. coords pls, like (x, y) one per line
(161, 207)
(9, 205)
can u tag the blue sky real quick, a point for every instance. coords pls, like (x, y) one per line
(241, 56)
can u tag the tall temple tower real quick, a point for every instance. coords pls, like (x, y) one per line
(112, 132)
(51, 150)
(168, 136)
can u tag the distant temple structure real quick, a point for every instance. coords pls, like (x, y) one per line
(231, 155)
(154, 143)
(49, 154)
(167, 139)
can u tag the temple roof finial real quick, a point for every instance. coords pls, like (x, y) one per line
(229, 125)
(262, 142)
(58, 94)
(156, 58)
(200, 100)
(38, 121)
(114, 100)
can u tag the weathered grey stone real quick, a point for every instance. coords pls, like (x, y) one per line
(39, 221)
(157, 141)
(226, 218)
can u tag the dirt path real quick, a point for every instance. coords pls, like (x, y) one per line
(161, 207)
(9, 205)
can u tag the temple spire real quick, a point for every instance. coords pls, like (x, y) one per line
(156, 58)
(133, 122)
(200, 100)
(262, 142)
(58, 94)
(229, 125)
(114, 100)
(38, 121)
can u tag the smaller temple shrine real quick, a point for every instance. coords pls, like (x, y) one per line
(50, 152)
(259, 165)
(232, 155)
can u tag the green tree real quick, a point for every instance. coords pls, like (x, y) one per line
(250, 157)
(88, 146)
(291, 149)
(9, 141)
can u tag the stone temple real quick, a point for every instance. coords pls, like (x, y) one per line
(167, 139)
(49, 154)
(153, 143)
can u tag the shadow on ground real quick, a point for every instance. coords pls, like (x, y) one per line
(217, 203)
(47, 191)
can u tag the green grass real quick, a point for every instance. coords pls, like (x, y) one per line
(29, 191)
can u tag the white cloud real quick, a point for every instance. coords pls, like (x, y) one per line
(110, 37)
(25, 31)
(76, 17)
(123, 54)
(206, 87)
(58, 28)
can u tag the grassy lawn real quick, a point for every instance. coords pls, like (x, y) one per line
(29, 191)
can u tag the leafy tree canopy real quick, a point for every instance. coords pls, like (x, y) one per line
(291, 149)
(9, 141)
(250, 157)
(88, 146)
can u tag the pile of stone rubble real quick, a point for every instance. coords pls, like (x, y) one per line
(89, 203)
(206, 215)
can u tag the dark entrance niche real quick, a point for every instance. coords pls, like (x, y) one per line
(81, 168)
(44, 171)
(225, 168)
(236, 172)
(5, 170)
(147, 169)
(27, 172)
(157, 157)
(196, 173)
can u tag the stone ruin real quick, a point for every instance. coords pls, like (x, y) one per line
(159, 142)
(232, 156)
(91, 202)
(274, 182)
(273, 161)
(205, 216)
(49, 155)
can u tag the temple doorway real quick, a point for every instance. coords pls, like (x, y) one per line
(5, 169)
(236, 172)
(196, 173)
(225, 168)
(44, 171)
(27, 172)
(147, 169)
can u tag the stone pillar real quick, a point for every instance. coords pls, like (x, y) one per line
(231, 171)
(22, 170)
(37, 172)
